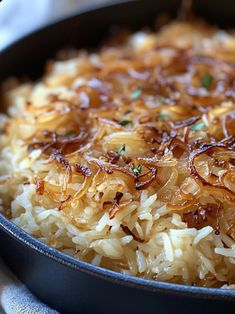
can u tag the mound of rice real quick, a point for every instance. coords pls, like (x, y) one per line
(124, 157)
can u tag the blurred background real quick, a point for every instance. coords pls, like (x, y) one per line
(19, 17)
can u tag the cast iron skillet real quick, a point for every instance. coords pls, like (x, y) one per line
(67, 284)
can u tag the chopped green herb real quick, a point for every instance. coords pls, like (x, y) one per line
(136, 94)
(163, 116)
(206, 81)
(70, 133)
(125, 122)
(162, 99)
(136, 170)
(198, 126)
(121, 150)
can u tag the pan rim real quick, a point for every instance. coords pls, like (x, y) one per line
(26, 239)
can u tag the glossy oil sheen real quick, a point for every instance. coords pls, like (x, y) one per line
(69, 285)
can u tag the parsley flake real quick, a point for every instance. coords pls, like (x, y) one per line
(136, 170)
(162, 99)
(70, 133)
(198, 126)
(163, 116)
(121, 150)
(136, 94)
(125, 122)
(206, 81)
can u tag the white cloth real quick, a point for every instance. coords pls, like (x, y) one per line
(17, 18)
(15, 298)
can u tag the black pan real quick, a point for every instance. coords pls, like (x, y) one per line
(67, 284)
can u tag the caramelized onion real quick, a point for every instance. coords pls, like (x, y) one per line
(222, 190)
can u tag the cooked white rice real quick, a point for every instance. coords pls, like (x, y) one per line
(36, 194)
